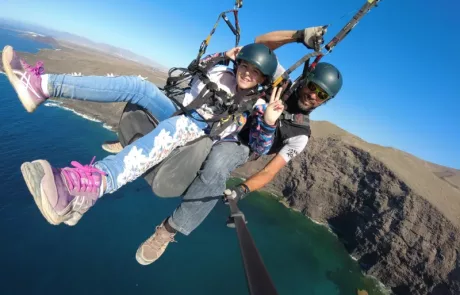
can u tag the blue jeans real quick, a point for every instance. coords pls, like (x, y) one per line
(113, 89)
(208, 187)
(135, 159)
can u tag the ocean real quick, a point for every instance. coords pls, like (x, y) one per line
(97, 255)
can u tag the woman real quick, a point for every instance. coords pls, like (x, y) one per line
(64, 194)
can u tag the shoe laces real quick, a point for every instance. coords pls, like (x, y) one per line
(82, 177)
(161, 237)
(37, 70)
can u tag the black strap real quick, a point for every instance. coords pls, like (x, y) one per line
(220, 126)
(211, 94)
(235, 29)
(288, 116)
(351, 24)
(233, 113)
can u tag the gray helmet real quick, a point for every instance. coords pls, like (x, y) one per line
(262, 57)
(327, 77)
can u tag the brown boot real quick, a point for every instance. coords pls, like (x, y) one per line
(113, 147)
(153, 247)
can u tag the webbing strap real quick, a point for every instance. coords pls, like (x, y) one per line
(351, 24)
(235, 29)
(319, 55)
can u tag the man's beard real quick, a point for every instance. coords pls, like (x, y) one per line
(303, 106)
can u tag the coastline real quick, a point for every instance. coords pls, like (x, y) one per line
(61, 105)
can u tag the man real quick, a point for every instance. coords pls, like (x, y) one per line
(286, 128)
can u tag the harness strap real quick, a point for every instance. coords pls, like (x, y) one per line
(232, 115)
(235, 29)
(288, 116)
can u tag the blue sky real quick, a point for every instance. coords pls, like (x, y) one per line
(400, 64)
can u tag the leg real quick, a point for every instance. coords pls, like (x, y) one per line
(206, 190)
(138, 157)
(64, 195)
(112, 89)
(200, 198)
(33, 88)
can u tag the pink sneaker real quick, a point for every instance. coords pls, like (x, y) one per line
(63, 194)
(25, 79)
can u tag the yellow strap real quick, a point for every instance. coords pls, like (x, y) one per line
(277, 81)
(223, 120)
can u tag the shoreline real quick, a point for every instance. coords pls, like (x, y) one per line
(60, 105)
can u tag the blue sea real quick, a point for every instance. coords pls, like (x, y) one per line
(97, 255)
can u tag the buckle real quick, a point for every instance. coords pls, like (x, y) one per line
(212, 86)
(223, 120)
(289, 117)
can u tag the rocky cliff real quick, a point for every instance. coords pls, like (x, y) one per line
(393, 211)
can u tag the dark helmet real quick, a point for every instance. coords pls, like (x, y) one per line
(259, 55)
(327, 77)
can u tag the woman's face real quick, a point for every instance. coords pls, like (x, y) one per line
(248, 76)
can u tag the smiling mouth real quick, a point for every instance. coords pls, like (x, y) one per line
(307, 100)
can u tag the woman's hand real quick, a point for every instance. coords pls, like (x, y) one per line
(275, 107)
(232, 53)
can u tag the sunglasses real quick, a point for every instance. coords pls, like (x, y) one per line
(319, 92)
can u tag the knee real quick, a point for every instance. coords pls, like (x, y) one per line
(214, 172)
(147, 87)
(213, 175)
(133, 84)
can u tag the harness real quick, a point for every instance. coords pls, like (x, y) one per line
(227, 108)
(296, 119)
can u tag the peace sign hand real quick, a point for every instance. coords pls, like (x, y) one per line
(275, 107)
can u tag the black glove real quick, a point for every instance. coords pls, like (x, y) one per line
(237, 193)
(311, 37)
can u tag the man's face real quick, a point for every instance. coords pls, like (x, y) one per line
(311, 96)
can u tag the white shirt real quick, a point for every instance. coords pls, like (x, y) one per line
(225, 80)
(293, 146)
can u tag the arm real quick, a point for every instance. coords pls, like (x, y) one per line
(276, 39)
(261, 178)
(310, 37)
(212, 58)
(292, 147)
(263, 124)
(260, 134)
